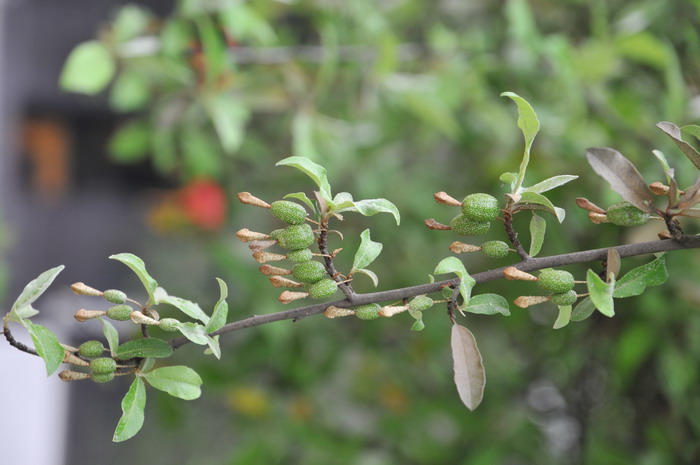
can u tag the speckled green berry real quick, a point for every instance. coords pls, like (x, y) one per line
(103, 365)
(421, 303)
(91, 349)
(120, 312)
(114, 296)
(309, 272)
(480, 207)
(464, 226)
(276, 234)
(169, 325)
(323, 289)
(564, 298)
(300, 256)
(296, 236)
(626, 214)
(495, 249)
(368, 312)
(102, 377)
(289, 212)
(556, 281)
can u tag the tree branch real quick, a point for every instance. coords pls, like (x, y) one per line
(531, 264)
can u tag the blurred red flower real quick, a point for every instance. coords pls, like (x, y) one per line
(204, 203)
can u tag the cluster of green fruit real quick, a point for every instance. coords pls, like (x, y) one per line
(415, 308)
(492, 249)
(560, 284)
(478, 211)
(295, 238)
(102, 369)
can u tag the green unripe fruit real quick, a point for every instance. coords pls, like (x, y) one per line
(626, 214)
(299, 256)
(296, 236)
(421, 303)
(289, 212)
(103, 365)
(169, 325)
(276, 234)
(495, 249)
(556, 281)
(480, 207)
(564, 298)
(102, 377)
(323, 289)
(368, 312)
(91, 349)
(309, 272)
(464, 226)
(114, 296)
(120, 312)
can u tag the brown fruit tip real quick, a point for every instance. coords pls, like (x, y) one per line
(658, 188)
(269, 270)
(665, 235)
(335, 312)
(513, 274)
(141, 319)
(74, 360)
(461, 247)
(445, 199)
(586, 204)
(525, 301)
(432, 224)
(249, 199)
(279, 281)
(388, 311)
(597, 218)
(84, 289)
(246, 235)
(257, 246)
(69, 375)
(264, 257)
(84, 315)
(289, 296)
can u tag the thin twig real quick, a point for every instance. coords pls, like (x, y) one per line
(345, 287)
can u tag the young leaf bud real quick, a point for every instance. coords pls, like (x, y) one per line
(367, 312)
(269, 270)
(264, 257)
(464, 226)
(299, 256)
(434, 225)
(279, 281)
(249, 199)
(556, 281)
(461, 247)
(289, 296)
(445, 199)
(297, 236)
(120, 312)
(586, 204)
(289, 212)
(246, 235)
(513, 274)
(102, 377)
(84, 315)
(141, 319)
(420, 303)
(480, 208)
(525, 301)
(336, 312)
(169, 325)
(625, 214)
(564, 298)
(84, 289)
(309, 272)
(91, 349)
(495, 249)
(69, 375)
(323, 289)
(103, 365)
(115, 296)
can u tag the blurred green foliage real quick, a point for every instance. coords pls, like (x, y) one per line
(401, 100)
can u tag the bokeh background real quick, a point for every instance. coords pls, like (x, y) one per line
(197, 100)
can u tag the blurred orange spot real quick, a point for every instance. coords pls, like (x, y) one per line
(47, 145)
(204, 204)
(248, 401)
(393, 397)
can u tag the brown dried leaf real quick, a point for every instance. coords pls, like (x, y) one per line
(445, 199)
(470, 377)
(432, 224)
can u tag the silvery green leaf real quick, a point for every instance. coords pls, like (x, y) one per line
(371, 274)
(530, 126)
(303, 197)
(194, 332)
(137, 266)
(178, 381)
(418, 325)
(218, 316)
(636, 280)
(532, 198)
(370, 207)
(601, 293)
(367, 252)
(111, 335)
(583, 310)
(36, 288)
(133, 405)
(674, 132)
(214, 347)
(191, 309)
(22, 313)
(551, 183)
(622, 176)
(538, 227)
(564, 316)
(316, 172)
(488, 304)
(47, 346)
(466, 283)
(470, 377)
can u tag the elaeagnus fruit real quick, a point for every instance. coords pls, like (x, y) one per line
(626, 214)
(296, 236)
(421, 303)
(289, 212)
(556, 281)
(301, 255)
(367, 312)
(114, 296)
(323, 289)
(103, 365)
(119, 312)
(495, 249)
(309, 272)
(102, 377)
(464, 226)
(564, 298)
(91, 349)
(480, 207)
(169, 325)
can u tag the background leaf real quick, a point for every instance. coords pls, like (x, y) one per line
(367, 252)
(89, 68)
(601, 293)
(538, 227)
(178, 381)
(622, 176)
(133, 405)
(47, 346)
(138, 267)
(488, 304)
(564, 316)
(470, 377)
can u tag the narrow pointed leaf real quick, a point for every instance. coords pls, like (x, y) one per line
(583, 310)
(538, 199)
(674, 132)
(370, 207)
(369, 273)
(220, 313)
(622, 176)
(214, 347)
(601, 293)
(111, 335)
(191, 309)
(564, 316)
(488, 304)
(36, 287)
(551, 183)
(316, 172)
(367, 252)
(47, 346)
(470, 377)
(138, 267)
(194, 332)
(150, 347)
(22, 313)
(303, 197)
(133, 405)
(178, 381)
(538, 227)
(454, 265)
(530, 126)
(636, 280)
